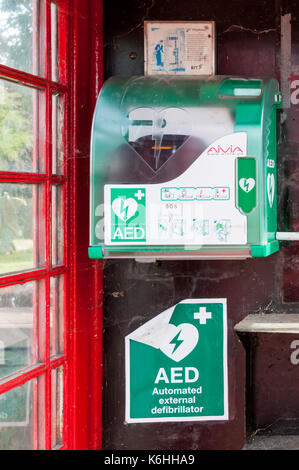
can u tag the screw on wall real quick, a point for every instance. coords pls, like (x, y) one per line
(133, 55)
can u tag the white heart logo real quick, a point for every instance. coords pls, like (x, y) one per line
(124, 208)
(270, 188)
(247, 184)
(179, 341)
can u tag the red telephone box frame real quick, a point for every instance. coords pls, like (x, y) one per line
(80, 65)
(85, 329)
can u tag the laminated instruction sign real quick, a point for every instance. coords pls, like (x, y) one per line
(179, 48)
(207, 204)
(176, 365)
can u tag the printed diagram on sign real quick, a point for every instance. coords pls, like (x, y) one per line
(201, 226)
(170, 225)
(159, 52)
(176, 364)
(222, 228)
(168, 53)
(179, 48)
(174, 213)
(171, 222)
(175, 222)
(191, 194)
(178, 227)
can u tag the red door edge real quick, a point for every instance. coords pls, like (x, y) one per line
(84, 389)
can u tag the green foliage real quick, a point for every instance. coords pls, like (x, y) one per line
(15, 127)
(16, 141)
(16, 34)
(16, 50)
(18, 407)
(17, 261)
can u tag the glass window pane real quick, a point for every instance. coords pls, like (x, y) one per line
(22, 35)
(18, 408)
(57, 134)
(56, 315)
(57, 225)
(21, 326)
(22, 128)
(54, 41)
(22, 227)
(57, 406)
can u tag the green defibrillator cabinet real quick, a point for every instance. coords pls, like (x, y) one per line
(184, 168)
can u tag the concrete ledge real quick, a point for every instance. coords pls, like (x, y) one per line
(269, 323)
(272, 443)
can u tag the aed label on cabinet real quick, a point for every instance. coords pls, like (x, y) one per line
(176, 365)
(128, 214)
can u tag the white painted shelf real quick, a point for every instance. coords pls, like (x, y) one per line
(269, 323)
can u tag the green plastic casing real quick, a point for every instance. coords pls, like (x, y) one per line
(252, 106)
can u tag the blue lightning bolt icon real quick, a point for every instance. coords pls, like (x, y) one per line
(176, 341)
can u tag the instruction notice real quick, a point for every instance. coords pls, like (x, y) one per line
(180, 48)
(176, 365)
(197, 208)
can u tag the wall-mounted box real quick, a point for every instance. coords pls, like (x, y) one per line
(184, 168)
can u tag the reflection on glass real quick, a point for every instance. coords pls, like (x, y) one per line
(56, 315)
(57, 134)
(21, 227)
(57, 225)
(18, 407)
(21, 131)
(20, 306)
(19, 42)
(16, 430)
(156, 136)
(54, 40)
(57, 406)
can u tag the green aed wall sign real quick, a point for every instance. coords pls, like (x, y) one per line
(176, 365)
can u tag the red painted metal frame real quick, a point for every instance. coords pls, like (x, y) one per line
(43, 275)
(79, 31)
(86, 282)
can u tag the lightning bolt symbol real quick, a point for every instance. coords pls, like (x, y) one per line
(176, 342)
(246, 185)
(125, 212)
